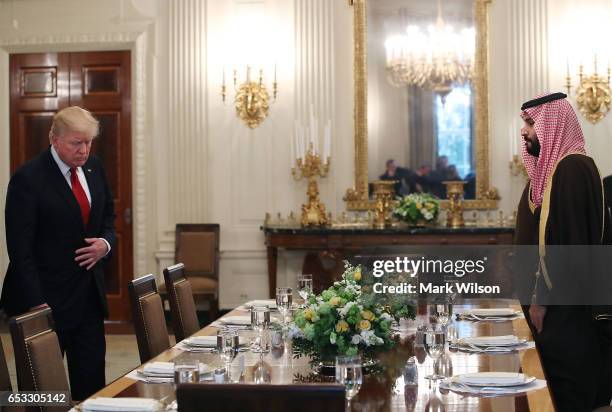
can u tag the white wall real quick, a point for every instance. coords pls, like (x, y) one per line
(196, 162)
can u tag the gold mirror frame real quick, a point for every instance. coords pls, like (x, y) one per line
(486, 196)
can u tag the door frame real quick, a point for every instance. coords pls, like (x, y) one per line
(138, 42)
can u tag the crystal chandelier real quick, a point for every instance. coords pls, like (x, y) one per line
(435, 59)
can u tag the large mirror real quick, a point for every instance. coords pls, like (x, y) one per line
(421, 113)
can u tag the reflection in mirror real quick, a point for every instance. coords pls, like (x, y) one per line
(420, 63)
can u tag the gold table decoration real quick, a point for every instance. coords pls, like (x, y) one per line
(310, 167)
(383, 196)
(454, 213)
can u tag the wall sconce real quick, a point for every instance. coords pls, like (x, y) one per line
(252, 97)
(592, 94)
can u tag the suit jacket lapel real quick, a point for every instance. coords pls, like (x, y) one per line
(59, 182)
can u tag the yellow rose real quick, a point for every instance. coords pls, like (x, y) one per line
(308, 314)
(364, 324)
(357, 274)
(419, 205)
(368, 315)
(342, 326)
(335, 301)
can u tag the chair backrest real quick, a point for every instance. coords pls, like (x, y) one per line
(182, 305)
(5, 378)
(38, 358)
(149, 320)
(260, 398)
(197, 247)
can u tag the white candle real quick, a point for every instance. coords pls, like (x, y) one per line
(301, 142)
(328, 140)
(292, 145)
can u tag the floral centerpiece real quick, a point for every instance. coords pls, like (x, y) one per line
(341, 321)
(418, 208)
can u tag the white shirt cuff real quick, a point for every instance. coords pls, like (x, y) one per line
(108, 248)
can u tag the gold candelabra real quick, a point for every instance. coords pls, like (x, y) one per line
(454, 193)
(383, 195)
(252, 100)
(311, 167)
(593, 94)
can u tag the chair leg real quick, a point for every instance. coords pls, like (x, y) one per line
(214, 309)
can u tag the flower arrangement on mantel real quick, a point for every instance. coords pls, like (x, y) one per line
(418, 209)
(342, 321)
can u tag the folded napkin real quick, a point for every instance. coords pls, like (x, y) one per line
(490, 340)
(122, 404)
(492, 312)
(159, 368)
(208, 341)
(165, 369)
(491, 378)
(236, 320)
(271, 303)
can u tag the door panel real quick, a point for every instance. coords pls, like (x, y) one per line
(42, 84)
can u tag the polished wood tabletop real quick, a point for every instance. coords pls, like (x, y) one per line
(383, 388)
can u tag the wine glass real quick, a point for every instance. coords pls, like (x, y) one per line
(435, 343)
(349, 373)
(442, 312)
(304, 286)
(260, 321)
(284, 299)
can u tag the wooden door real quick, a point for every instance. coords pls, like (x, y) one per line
(42, 84)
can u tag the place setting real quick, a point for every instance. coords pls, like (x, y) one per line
(492, 383)
(491, 344)
(188, 370)
(490, 314)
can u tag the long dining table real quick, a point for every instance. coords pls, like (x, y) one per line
(383, 389)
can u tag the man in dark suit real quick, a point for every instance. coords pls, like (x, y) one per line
(607, 183)
(59, 231)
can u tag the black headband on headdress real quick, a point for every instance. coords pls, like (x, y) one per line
(543, 99)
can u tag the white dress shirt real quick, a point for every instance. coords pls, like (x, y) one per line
(65, 169)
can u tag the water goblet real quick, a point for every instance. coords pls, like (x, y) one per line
(435, 344)
(227, 344)
(304, 284)
(350, 374)
(284, 300)
(260, 321)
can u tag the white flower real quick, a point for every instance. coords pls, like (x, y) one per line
(424, 211)
(386, 316)
(356, 339)
(369, 338)
(346, 308)
(295, 332)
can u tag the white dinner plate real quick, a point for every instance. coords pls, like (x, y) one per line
(507, 379)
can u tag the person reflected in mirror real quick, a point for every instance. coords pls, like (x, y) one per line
(452, 173)
(438, 176)
(397, 173)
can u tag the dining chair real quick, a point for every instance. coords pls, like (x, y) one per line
(237, 397)
(182, 305)
(149, 320)
(38, 358)
(197, 247)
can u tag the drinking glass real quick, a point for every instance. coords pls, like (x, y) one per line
(284, 299)
(227, 344)
(187, 371)
(435, 343)
(304, 284)
(442, 312)
(349, 373)
(260, 321)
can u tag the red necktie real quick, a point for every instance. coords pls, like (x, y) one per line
(80, 195)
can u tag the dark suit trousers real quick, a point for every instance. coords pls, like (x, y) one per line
(85, 349)
(576, 360)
